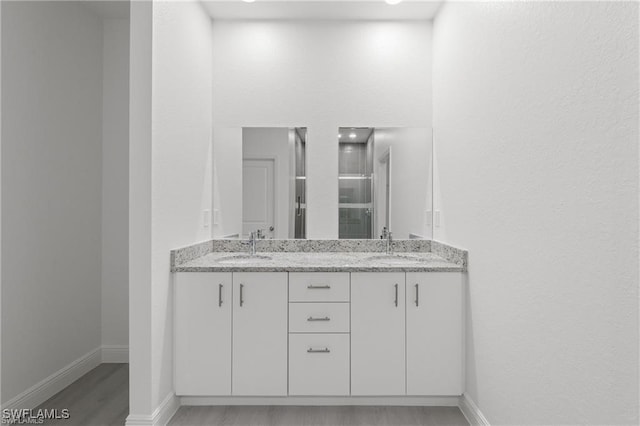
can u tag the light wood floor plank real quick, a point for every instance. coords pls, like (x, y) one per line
(101, 398)
(318, 416)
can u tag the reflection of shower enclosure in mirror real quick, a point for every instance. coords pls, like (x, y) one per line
(299, 200)
(385, 181)
(355, 186)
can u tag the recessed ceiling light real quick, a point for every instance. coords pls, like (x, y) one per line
(248, 1)
(352, 135)
(390, 1)
(339, 135)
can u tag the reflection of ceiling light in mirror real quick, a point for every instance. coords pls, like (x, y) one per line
(390, 1)
(248, 1)
(352, 135)
(339, 135)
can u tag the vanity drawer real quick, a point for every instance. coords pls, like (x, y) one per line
(318, 286)
(318, 317)
(319, 364)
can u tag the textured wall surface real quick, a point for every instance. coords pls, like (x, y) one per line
(51, 191)
(181, 161)
(115, 183)
(536, 132)
(322, 75)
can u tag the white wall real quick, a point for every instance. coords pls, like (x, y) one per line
(140, 248)
(115, 185)
(1, 204)
(51, 190)
(262, 143)
(536, 129)
(181, 162)
(321, 75)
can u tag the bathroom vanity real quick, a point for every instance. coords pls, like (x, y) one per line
(318, 319)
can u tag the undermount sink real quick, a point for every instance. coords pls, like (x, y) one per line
(243, 258)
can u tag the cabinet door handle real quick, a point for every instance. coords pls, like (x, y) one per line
(241, 294)
(318, 319)
(318, 287)
(396, 301)
(318, 351)
(417, 295)
(220, 295)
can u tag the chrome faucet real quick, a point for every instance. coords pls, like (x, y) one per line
(389, 242)
(252, 243)
(384, 233)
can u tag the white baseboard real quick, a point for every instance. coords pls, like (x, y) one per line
(45, 389)
(427, 401)
(118, 354)
(472, 412)
(160, 416)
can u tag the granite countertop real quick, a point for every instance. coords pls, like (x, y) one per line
(319, 262)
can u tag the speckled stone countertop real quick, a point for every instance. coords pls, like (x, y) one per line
(319, 262)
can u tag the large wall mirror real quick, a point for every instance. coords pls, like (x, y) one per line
(385, 182)
(259, 182)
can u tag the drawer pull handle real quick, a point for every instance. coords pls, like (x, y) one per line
(318, 351)
(318, 287)
(417, 295)
(318, 319)
(241, 295)
(220, 295)
(396, 300)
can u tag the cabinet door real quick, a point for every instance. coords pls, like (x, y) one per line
(259, 333)
(434, 333)
(377, 333)
(203, 333)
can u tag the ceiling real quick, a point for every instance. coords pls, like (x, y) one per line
(362, 134)
(322, 9)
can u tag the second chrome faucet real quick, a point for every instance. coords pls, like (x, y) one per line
(386, 235)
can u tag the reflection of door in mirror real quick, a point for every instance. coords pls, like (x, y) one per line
(409, 179)
(258, 195)
(274, 198)
(355, 188)
(259, 182)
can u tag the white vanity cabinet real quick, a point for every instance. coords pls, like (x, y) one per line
(406, 333)
(377, 333)
(434, 333)
(220, 314)
(203, 333)
(259, 334)
(339, 334)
